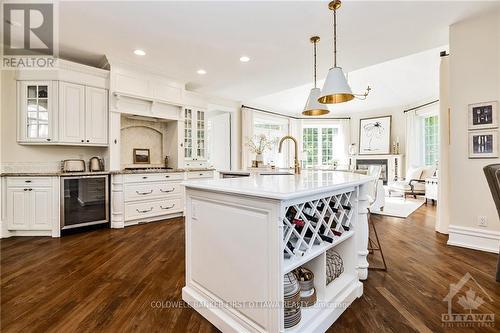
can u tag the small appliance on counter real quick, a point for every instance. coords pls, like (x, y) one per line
(96, 163)
(73, 165)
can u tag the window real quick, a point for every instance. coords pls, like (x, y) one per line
(319, 145)
(274, 129)
(431, 139)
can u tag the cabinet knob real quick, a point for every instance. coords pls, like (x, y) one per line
(48, 139)
(83, 140)
(88, 140)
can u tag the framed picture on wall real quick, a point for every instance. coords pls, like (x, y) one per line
(375, 135)
(483, 144)
(483, 115)
(141, 156)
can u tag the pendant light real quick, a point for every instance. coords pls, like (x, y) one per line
(313, 107)
(336, 89)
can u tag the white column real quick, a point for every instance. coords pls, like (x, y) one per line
(443, 207)
(361, 232)
(117, 199)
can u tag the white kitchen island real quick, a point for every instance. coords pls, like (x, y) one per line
(241, 240)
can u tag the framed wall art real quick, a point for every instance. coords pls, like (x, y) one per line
(483, 144)
(141, 156)
(375, 135)
(483, 115)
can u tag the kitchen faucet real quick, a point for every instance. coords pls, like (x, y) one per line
(296, 158)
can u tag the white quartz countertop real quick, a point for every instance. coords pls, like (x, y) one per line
(282, 187)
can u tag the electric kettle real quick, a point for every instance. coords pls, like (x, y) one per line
(96, 164)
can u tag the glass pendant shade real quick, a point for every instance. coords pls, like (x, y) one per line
(335, 89)
(313, 107)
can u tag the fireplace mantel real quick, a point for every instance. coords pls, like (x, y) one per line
(394, 164)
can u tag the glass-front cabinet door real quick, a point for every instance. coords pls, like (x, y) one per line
(195, 134)
(200, 135)
(188, 133)
(36, 116)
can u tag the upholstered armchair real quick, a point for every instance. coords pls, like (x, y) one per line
(414, 183)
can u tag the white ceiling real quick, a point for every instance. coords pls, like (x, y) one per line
(182, 37)
(405, 81)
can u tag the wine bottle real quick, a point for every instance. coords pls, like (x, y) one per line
(326, 238)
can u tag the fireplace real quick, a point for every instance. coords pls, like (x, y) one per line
(363, 164)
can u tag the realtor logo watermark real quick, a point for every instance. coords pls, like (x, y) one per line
(28, 35)
(468, 296)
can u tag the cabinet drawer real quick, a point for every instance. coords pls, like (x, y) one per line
(200, 174)
(196, 164)
(152, 177)
(151, 190)
(152, 208)
(29, 182)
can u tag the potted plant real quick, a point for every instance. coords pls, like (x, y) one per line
(258, 144)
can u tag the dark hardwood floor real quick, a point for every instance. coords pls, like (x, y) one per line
(130, 279)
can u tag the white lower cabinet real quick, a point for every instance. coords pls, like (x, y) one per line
(147, 197)
(31, 205)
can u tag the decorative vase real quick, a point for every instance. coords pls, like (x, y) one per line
(259, 157)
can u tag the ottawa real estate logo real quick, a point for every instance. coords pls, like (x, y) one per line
(467, 305)
(28, 35)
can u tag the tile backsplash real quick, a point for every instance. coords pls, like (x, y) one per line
(142, 134)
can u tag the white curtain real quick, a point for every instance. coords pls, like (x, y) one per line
(246, 133)
(413, 140)
(344, 141)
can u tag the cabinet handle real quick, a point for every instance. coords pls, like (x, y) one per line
(144, 211)
(201, 174)
(144, 193)
(48, 139)
(167, 191)
(167, 176)
(25, 189)
(144, 177)
(170, 207)
(27, 181)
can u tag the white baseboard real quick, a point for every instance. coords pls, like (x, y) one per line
(474, 238)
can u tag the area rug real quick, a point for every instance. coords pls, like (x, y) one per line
(399, 207)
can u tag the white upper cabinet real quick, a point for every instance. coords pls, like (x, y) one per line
(195, 134)
(96, 115)
(69, 106)
(38, 111)
(83, 114)
(72, 113)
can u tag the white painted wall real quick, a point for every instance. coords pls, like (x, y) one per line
(474, 77)
(26, 156)
(219, 144)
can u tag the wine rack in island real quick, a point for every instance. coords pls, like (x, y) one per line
(317, 235)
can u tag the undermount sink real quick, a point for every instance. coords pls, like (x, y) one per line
(283, 173)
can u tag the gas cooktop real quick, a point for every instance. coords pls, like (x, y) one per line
(148, 168)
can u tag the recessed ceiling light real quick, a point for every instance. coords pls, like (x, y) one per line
(244, 59)
(139, 52)
(201, 71)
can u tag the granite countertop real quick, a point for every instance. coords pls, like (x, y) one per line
(96, 173)
(53, 174)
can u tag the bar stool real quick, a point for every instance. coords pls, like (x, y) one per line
(373, 240)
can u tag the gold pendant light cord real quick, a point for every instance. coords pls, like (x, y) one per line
(315, 64)
(334, 38)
